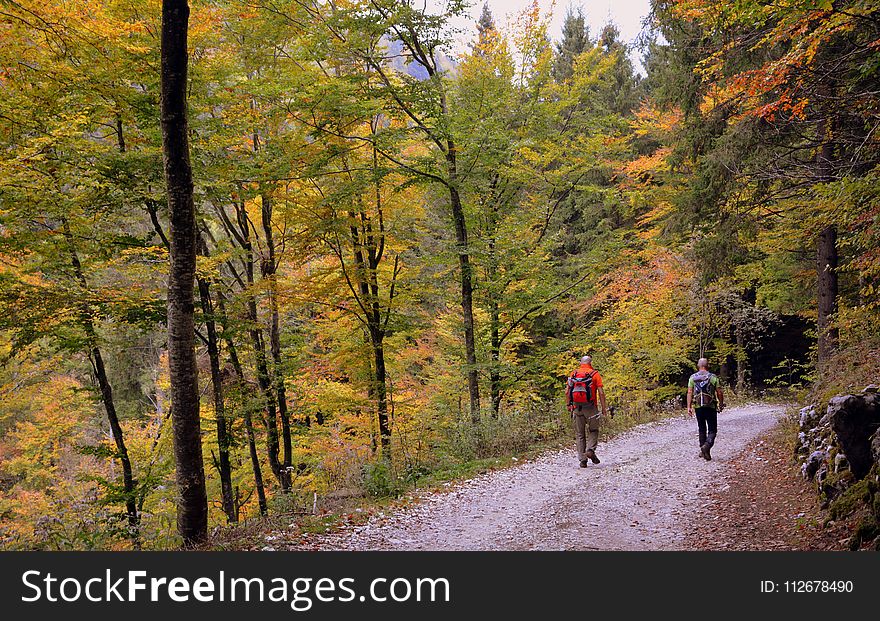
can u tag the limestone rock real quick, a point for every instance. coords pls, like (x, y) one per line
(811, 466)
(840, 463)
(808, 418)
(854, 419)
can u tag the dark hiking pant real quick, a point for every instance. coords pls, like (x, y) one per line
(707, 423)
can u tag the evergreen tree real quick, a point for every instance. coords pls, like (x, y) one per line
(624, 92)
(575, 39)
(486, 23)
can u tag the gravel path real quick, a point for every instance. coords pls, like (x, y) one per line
(650, 483)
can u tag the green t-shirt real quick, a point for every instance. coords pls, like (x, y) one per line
(704, 399)
(713, 379)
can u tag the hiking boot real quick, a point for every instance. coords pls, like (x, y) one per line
(583, 463)
(704, 451)
(592, 455)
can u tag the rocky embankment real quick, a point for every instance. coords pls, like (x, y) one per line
(839, 450)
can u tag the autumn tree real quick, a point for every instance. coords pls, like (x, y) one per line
(192, 513)
(64, 173)
(779, 100)
(377, 252)
(423, 100)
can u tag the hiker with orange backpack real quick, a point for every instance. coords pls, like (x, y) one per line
(584, 394)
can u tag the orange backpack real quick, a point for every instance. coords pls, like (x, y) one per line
(581, 387)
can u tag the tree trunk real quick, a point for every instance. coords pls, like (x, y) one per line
(724, 371)
(826, 271)
(367, 257)
(276, 402)
(493, 293)
(826, 262)
(255, 332)
(269, 268)
(192, 502)
(467, 287)
(251, 440)
(381, 394)
(741, 361)
(224, 467)
(248, 420)
(494, 372)
(128, 482)
(263, 379)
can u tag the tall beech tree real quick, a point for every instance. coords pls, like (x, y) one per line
(192, 509)
(355, 213)
(419, 39)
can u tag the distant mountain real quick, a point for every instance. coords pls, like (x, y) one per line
(401, 61)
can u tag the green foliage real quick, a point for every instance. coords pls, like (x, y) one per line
(379, 480)
(604, 213)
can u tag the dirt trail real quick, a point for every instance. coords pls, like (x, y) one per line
(650, 485)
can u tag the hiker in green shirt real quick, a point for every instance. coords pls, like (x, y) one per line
(704, 400)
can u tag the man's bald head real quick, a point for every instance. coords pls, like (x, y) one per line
(703, 364)
(587, 360)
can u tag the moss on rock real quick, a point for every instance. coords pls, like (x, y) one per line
(854, 498)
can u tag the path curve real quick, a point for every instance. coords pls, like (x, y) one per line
(650, 485)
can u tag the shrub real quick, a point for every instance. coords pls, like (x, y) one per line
(379, 480)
